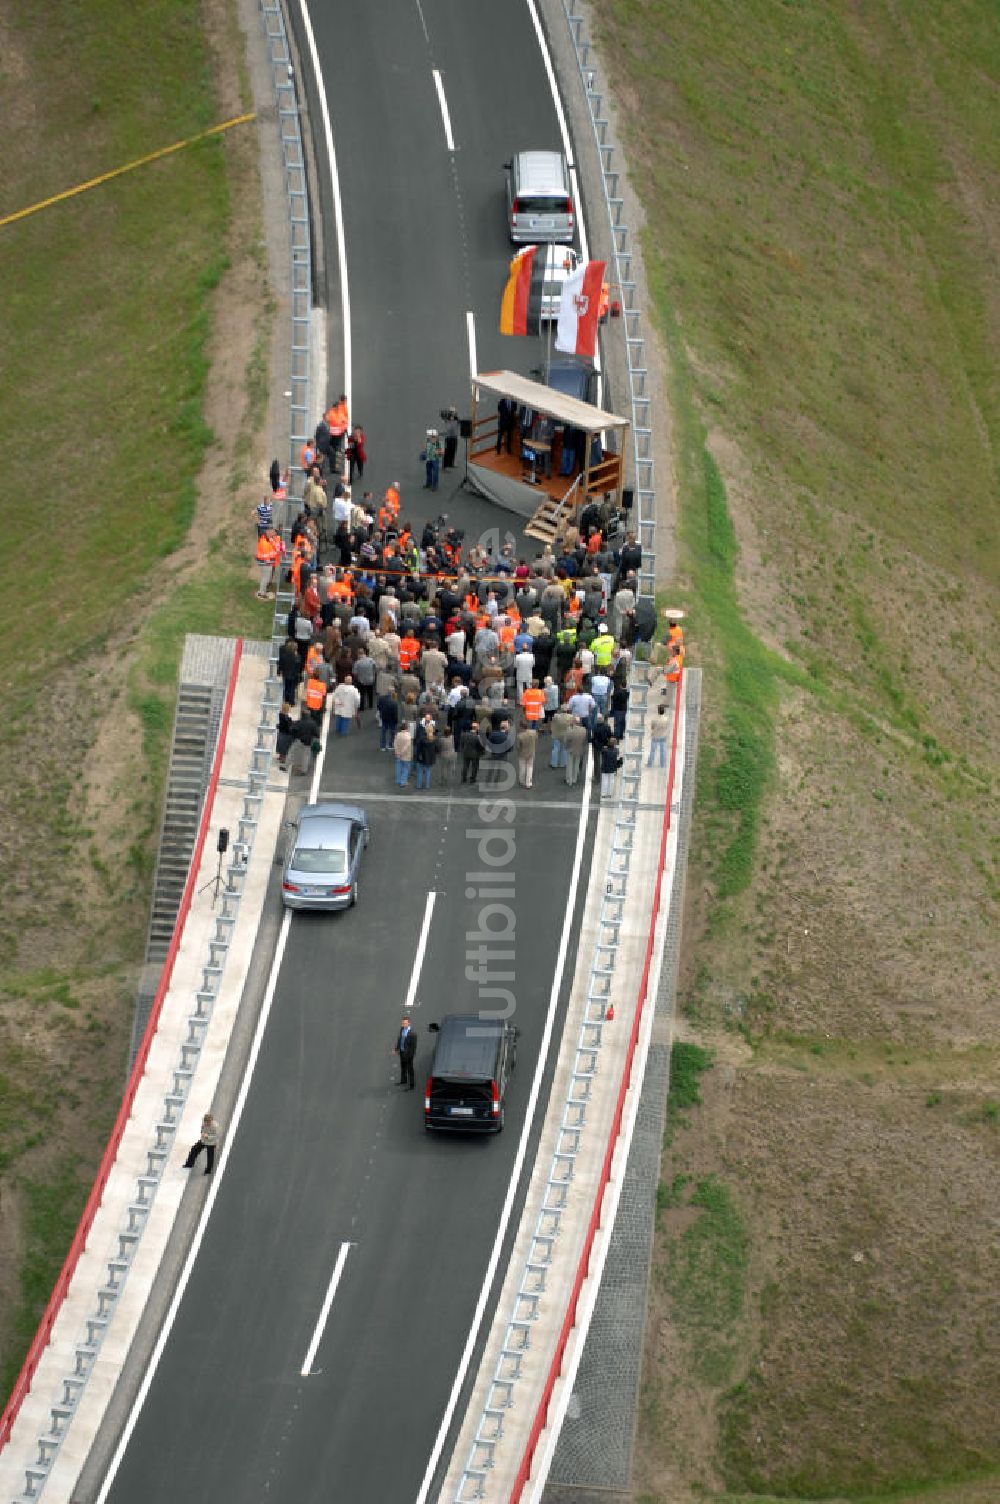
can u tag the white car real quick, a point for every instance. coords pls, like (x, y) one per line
(560, 262)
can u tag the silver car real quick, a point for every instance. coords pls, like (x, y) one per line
(539, 198)
(321, 870)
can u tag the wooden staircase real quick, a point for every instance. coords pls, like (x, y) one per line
(545, 519)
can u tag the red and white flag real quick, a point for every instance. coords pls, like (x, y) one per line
(580, 310)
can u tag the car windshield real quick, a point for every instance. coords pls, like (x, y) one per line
(307, 859)
(540, 204)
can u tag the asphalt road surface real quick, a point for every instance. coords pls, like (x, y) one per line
(329, 1151)
(426, 238)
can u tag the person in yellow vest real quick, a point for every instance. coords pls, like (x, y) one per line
(603, 648)
(675, 665)
(314, 658)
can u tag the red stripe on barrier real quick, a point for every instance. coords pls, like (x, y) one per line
(41, 1338)
(583, 1268)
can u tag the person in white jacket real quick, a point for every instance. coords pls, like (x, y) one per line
(346, 704)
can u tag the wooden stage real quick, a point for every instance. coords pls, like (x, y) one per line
(514, 468)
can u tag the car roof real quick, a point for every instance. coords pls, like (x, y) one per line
(333, 811)
(572, 380)
(467, 1045)
(557, 257)
(322, 835)
(541, 170)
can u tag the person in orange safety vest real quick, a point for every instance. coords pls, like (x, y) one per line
(533, 704)
(315, 696)
(269, 551)
(336, 417)
(409, 652)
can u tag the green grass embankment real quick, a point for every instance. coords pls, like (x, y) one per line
(105, 347)
(821, 229)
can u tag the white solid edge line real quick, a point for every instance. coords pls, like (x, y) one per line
(272, 980)
(448, 137)
(206, 1212)
(418, 959)
(543, 48)
(470, 327)
(613, 1191)
(338, 208)
(522, 1149)
(331, 1291)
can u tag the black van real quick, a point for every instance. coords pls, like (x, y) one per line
(473, 1060)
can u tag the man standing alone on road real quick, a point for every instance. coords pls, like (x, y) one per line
(433, 449)
(406, 1049)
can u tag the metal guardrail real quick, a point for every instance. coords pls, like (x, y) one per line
(121, 1257)
(621, 255)
(472, 1483)
(297, 189)
(572, 1130)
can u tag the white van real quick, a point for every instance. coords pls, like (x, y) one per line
(539, 199)
(560, 262)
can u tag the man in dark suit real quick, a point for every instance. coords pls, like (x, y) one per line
(406, 1048)
(506, 422)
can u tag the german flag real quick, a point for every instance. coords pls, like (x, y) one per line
(521, 304)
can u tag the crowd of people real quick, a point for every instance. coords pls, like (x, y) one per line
(461, 657)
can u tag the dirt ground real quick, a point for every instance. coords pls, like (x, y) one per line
(853, 1108)
(849, 996)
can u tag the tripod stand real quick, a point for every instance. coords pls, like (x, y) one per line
(215, 883)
